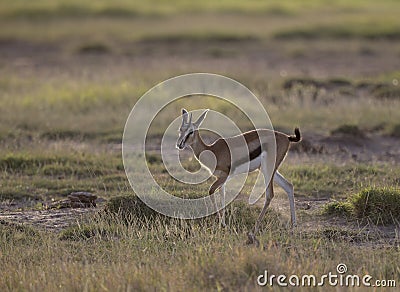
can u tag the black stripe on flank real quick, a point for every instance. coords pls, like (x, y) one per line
(253, 155)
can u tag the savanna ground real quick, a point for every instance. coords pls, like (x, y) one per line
(70, 72)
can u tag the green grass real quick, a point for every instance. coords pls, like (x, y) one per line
(82, 135)
(64, 21)
(59, 173)
(32, 107)
(339, 208)
(40, 104)
(370, 30)
(352, 130)
(240, 217)
(377, 205)
(17, 193)
(40, 176)
(128, 243)
(123, 8)
(326, 180)
(387, 92)
(71, 72)
(29, 164)
(108, 253)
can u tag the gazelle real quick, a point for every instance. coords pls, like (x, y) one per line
(256, 157)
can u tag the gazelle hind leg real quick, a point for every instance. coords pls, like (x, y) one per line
(288, 188)
(269, 194)
(268, 197)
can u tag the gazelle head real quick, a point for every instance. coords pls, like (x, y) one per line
(187, 129)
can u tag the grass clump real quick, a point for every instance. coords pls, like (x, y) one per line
(17, 233)
(379, 205)
(344, 31)
(386, 92)
(339, 208)
(130, 207)
(18, 194)
(79, 135)
(346, 129)
(56, 164)
(85, 232)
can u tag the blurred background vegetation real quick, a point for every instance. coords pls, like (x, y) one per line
(70, 72)
(86, 60)
(133, 20)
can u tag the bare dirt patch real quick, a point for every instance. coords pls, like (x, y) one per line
(51, 220)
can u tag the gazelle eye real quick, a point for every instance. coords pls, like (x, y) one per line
(188, 135)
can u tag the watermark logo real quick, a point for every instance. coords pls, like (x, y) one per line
(338, 278)
(341, 268)
(145, 111)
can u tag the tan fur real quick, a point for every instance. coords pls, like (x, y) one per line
(222, 153)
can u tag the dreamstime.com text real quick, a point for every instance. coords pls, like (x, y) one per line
(331, 279)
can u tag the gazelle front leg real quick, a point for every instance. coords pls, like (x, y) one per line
(220, 183)
(221, 213)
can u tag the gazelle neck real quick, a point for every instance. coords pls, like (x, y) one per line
(198, 146)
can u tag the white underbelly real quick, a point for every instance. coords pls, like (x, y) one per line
(248, 166)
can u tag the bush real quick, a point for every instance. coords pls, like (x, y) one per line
(379, 205)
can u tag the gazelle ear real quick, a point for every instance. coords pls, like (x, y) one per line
(184, 116)
(200, 119)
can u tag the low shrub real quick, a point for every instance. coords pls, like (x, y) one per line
(379, 205)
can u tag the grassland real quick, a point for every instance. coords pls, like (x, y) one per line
(70, 72)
